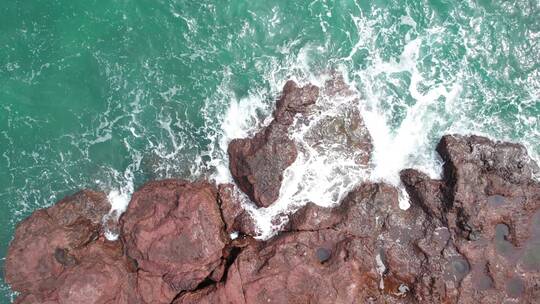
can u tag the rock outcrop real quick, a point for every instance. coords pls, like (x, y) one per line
(174, 230)
(471, 237)
(59, 255)
(257, 163)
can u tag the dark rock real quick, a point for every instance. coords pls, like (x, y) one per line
(425, 192)
(323, 254)
(294, 100)
(257, 163)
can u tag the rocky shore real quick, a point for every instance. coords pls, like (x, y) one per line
(471, 237)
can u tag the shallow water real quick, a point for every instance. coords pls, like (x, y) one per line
(111, 95)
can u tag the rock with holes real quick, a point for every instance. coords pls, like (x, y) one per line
(174, 230)
(490, 204)
(257, 163)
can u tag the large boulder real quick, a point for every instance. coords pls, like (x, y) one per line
(332, 125)
(257, 163)
(59, 255)
(32, 262)
(174, 230)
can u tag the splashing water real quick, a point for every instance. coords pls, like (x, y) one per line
(111, 97)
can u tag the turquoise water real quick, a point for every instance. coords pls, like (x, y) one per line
(109, 95)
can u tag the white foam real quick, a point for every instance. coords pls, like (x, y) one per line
(403, 140)
(409, 144)
(407, 20)
(120, 197)
(239, 121)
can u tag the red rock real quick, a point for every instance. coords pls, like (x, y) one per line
(427, 193)
(294, 100)
(364, 250)
(33, 261)
(492, 207)
(174, 230)
(59, 256)
(235, 217)
(472, 237)
(344, 132)
(257, 163)
(102, 275)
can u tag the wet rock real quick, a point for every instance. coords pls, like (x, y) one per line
(236, 219)
(344, 134)
(489, 202)
(257, 163)
(427, 193)
(342, 131)
(471, 237)
(174, 230)
(363, 250)
(294, 100)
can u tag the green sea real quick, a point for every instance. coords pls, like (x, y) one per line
(110, 94)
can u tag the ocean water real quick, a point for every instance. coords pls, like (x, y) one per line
(110, 95)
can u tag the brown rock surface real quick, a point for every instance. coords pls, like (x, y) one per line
(32, 261)
(174, 230)
(235, 217)
(472, 237)
(257, 163)
(368, 250)
(363, 251)
(494, 213)
(58, 256)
